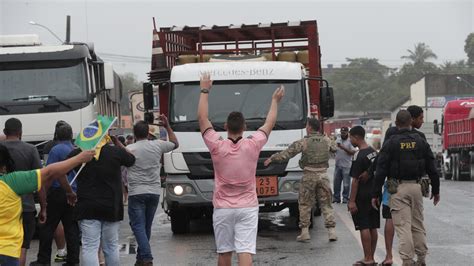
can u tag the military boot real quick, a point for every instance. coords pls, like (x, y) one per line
(421, 261)
(304, 236)
(332, 234)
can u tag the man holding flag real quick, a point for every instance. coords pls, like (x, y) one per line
(99, 207)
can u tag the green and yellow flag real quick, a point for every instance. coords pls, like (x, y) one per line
(92, 135)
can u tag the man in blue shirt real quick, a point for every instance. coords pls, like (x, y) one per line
(60, 205)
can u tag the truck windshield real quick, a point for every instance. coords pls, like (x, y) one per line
(252, 98)
(63, 80)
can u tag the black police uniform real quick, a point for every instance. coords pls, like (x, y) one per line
(406, 156)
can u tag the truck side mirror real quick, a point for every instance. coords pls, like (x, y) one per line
(109, 83)
(327, 102)
(148, 97)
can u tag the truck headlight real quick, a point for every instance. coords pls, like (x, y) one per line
(286, 187)
(296, 186)
(178, 190)
(181, 189)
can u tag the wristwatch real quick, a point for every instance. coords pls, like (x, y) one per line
(204, 91)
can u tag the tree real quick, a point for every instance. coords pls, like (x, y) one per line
(469, 49)
(364, 85)
(129, 83)
(419, 66)
(458, 67)
(420, 55)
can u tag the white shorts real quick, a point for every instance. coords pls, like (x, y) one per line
(236, 229)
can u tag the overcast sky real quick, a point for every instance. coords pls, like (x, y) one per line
(379, 29)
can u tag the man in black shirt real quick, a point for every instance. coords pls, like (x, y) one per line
(417, 121)
(366, 218)
(417, 116)
(99, 207)
(405, 157)
(25, 157)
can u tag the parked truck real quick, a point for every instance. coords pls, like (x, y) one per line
(247, 63)
(41, 84)
(458, 139)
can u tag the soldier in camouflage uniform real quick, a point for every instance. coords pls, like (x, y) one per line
(315, 149)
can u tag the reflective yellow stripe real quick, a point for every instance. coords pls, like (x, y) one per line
(38, 174)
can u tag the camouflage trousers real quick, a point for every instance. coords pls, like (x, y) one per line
(315, 185)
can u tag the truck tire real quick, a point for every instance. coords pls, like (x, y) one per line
(317, 209)
(471, 166)
(447, 175)
(455, 166)
(295, 212)
(179, 221)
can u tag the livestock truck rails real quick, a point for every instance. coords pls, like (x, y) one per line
(247, 63)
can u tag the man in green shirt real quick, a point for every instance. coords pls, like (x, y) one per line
(13, 184)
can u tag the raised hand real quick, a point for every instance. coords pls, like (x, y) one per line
(279, 93)
(164, 121)
(206, 82)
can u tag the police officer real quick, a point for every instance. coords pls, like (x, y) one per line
(406, 156)
(315, 149)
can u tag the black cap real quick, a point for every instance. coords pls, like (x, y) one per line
(346, 129)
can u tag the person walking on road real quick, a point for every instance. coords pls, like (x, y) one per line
(59, 237)
(26, 157)
(417, 117)
(366, 218)
(405, 158)
(235, 217)
(13, 184)
(144, 184)
(99, 207)
(315, 149)
(60, 205)
(343, 159)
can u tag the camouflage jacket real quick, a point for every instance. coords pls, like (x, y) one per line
(300, 146)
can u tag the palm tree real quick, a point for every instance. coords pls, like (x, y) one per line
(420, 55)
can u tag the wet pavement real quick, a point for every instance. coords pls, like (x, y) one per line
(450, 234)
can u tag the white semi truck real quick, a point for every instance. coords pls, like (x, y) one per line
(42, 84)
(244, 80)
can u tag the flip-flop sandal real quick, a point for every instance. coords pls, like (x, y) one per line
(362, 263)
(386, 264)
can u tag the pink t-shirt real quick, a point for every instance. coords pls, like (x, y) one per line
(235, 166)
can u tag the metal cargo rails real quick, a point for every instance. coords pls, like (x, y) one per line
(256, 39)
(461, 133)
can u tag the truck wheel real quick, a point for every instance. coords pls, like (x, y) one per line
(317, 210)
(447, 175)
(471, 167)
(294, 211)
(455, 166)
(298, 218)
(179, 221)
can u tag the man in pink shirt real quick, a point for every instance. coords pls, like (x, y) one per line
(235, 159)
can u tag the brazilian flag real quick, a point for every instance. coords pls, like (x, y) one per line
(92, 134)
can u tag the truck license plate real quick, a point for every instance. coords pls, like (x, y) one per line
(267, 186)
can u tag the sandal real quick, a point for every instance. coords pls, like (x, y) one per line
(386, 264)
(362, 263)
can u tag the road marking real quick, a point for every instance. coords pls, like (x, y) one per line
(344, 216)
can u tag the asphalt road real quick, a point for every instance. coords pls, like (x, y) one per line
(450, 234)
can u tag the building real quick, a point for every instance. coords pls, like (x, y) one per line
(433, 91)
